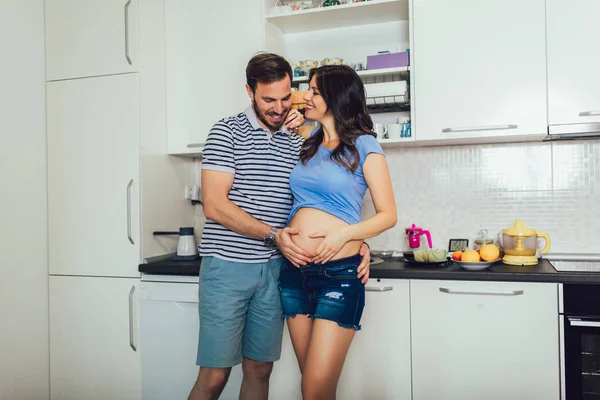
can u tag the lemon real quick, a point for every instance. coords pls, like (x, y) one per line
(470, 256)
(489, 252)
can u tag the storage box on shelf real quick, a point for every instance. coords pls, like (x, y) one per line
(403, 73)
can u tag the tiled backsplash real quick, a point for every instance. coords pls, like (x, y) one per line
(453, 191)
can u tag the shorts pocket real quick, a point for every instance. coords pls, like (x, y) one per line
(341, 272)
(208, 268)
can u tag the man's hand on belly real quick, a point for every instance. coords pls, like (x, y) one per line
(364, 268)
(289, 249)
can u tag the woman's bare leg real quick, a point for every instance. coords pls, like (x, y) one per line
(327, 350)
(300, 328)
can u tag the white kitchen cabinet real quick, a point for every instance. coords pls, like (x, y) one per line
(93, 170)
(169, 338)
(573, 61)
(90, 38)
(94, 338)
(208, 45)
(484, 340)
(479, 70)
(378, 362)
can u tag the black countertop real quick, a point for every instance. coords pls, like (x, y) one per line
(398, 269)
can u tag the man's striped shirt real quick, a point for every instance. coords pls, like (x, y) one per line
(261, 163)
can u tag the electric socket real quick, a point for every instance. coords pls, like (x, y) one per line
(188, 192)
(195, 192)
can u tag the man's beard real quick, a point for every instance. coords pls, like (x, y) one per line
(261, 116)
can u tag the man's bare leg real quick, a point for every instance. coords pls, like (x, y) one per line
(210, 383)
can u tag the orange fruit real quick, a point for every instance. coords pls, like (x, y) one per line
(457, 255)
(470, 256)
(489, 252)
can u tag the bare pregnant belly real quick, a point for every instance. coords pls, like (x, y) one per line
(311, 220)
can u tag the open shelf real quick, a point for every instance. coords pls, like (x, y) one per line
(387, 104)
(367, 73)
(396, 142)
(354, 14)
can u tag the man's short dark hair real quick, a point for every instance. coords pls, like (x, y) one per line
(267, 68)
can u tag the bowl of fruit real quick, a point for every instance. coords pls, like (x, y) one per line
(477, 260)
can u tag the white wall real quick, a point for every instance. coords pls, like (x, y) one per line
(23, 207)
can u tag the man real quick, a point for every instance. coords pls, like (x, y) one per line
(246, 167)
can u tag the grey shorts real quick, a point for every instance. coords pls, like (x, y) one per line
(240, 312)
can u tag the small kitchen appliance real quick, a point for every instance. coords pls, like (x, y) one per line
(414, 236)
(520, 244)
(186, 245)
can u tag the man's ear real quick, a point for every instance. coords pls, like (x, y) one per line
(250, 92)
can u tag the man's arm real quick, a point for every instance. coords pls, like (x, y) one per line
(217, 206)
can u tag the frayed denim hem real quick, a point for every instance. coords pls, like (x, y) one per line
(293, 315)
(347, 326)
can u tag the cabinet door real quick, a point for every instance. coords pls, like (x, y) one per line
(90, 38)
(573, 61)
(93, 169)
(93, 339)
(169, 338)
(479, 69)
(208, 45)
(484, 340)
(378, 363)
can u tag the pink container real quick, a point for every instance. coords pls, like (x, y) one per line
(388, 60)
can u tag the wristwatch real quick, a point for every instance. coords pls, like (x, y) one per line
(270, 238)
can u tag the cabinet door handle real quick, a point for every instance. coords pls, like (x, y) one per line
(480, 128)
(131, 318)
(578, 322)
(484, 292)
(379, 288)
(589, 113)
(127, 31)
(129, 211)
(192, 145)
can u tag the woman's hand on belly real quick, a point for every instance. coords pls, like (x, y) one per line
(332, 243)
(296, 254)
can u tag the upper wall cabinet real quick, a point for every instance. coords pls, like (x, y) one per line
(208, 45)
(573, 61)
(479, 70)
(90, 38)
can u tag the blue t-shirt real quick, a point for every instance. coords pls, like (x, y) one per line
(328, 186)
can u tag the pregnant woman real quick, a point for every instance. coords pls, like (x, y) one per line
(323, 300)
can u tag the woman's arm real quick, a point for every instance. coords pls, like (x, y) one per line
(377, 177)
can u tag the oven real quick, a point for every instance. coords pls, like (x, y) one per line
(580, 341)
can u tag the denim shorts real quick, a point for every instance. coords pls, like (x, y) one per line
(240, 312)
(329, 291)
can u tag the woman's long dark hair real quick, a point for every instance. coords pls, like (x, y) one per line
(344, 93)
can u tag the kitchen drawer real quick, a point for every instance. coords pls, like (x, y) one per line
(484, 340)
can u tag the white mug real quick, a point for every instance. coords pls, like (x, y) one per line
(303, 86)
(381, 130)
(394, 131)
